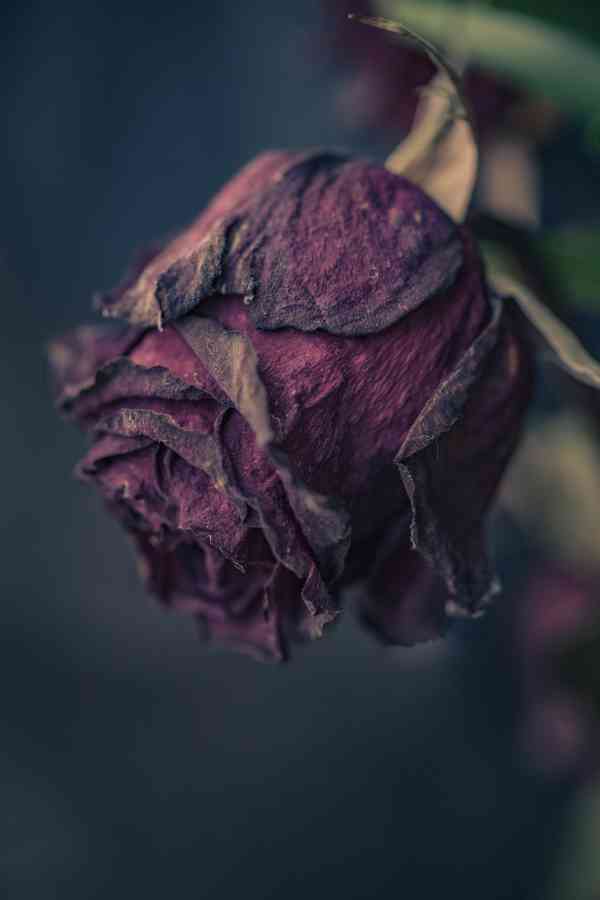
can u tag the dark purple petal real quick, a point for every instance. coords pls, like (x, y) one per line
(230, 603)
(329, 243)
(76, 357)
(231, 360)
(261, 487)
(454, 456)
(404, 600)
(134, 298)
(341, 407)
(122, 380)
(200, 450)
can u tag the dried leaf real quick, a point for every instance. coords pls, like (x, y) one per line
(440, 153)
(565, 348)
(231, 360)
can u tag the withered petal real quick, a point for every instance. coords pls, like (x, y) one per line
(122, 379)
(231, 360)
(454, 456)
(228, 602)
(404, 599)
(198, 449)
(259, 484)
(258, 635)
(327, 243)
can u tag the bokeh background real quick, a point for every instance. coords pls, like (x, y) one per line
(134, 761)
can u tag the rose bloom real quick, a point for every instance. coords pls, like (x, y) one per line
(313, 387)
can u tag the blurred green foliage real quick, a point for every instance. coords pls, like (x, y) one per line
(577, 876)
(547, 50)
(580, 16)
(572, 258)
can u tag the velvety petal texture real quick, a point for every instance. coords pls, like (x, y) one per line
(314, 388)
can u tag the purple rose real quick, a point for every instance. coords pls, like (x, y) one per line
(315, 387)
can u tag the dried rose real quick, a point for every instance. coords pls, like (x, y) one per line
(314, 379)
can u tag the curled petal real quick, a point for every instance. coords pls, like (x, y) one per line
(76, 357)
(454, 456)
(328, 243)
(403, 599)
(121, 380)
(231, 360)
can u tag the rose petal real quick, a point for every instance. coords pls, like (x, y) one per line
(231, 360)
(454, 456)
(76, 357)
(307, 252)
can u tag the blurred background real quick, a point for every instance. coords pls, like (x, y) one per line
(134, 761)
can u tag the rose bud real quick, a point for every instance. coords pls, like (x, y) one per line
(316, 387)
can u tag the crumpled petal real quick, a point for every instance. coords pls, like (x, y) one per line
(231, 360)
(230, 604)
(77, 355)
(454, 456)
(324, 243)
(340, 407)
(403, 601)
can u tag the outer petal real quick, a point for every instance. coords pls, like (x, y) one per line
(135, 297)
(455, 454)
(121, 380)
(404, 599)
(327, 243)
(76, 357)
(230, 604)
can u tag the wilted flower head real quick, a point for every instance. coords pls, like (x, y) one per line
(314, 379)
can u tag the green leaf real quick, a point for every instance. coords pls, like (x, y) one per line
(572, 258)
(540, 57)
